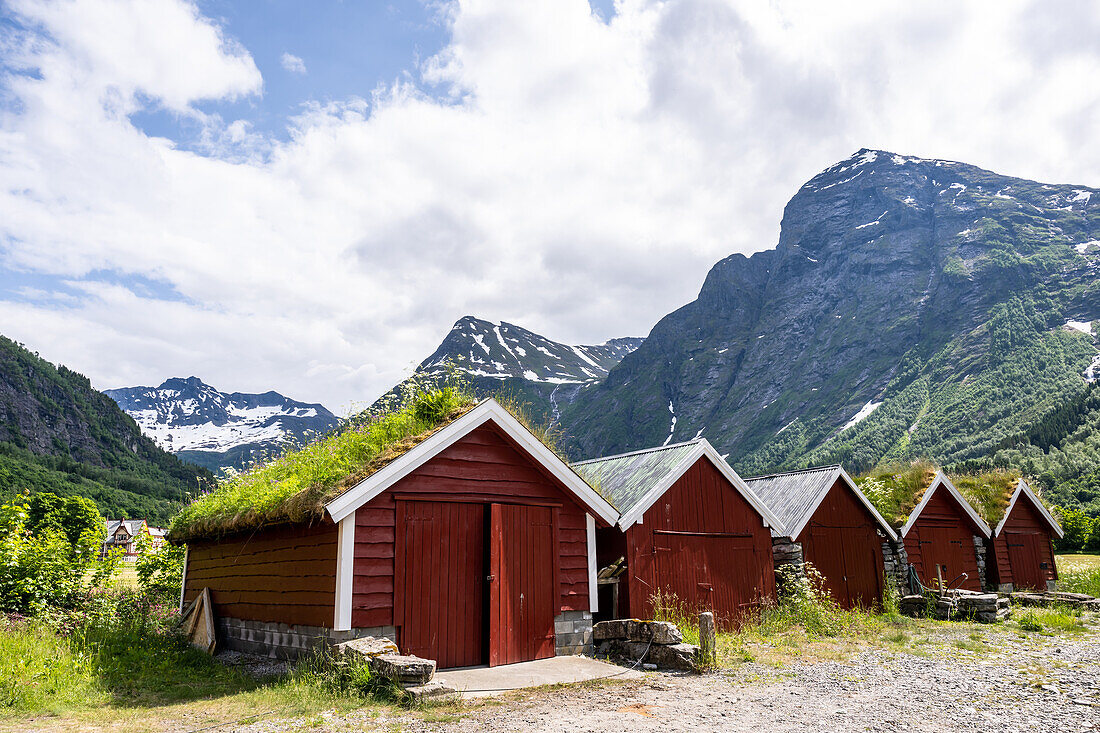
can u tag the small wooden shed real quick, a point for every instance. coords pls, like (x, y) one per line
(477, 546)
(1021, 551)
(689, 528)
(945, 538)
(840, 531)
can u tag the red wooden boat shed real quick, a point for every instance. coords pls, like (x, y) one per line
(841, 532)
(477, 546)
(1021, 554)
(689, 526)
(945, 538)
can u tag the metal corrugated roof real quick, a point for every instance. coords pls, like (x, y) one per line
(624, 480)
(792, 496)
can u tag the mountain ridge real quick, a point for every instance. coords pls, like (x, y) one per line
(215, 429)
(887, 266)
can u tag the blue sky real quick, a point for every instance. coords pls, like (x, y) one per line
(572, 168)
(347, 49)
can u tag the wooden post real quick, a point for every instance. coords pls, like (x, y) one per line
(708, 642)
(939, 577)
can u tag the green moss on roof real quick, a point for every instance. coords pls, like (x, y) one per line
(296, 486)
(895, 490)
(988, 492)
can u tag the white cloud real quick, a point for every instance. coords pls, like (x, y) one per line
(577, 177)
(292, 63)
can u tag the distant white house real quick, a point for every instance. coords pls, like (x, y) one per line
(124, 533)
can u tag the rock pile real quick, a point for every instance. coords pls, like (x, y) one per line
(658, 643)
(1049, 598)
(413, 674)
(960, 605)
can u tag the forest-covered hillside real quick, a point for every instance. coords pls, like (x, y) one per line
(59, 434)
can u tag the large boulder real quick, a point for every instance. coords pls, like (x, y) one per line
(674, 656)
(635, 630)
(365, 648)
(403, 669)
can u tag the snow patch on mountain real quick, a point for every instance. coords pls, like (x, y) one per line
(863, 414)
(190, 415)
(504, 351)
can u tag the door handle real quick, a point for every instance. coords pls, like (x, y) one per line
(490, 578)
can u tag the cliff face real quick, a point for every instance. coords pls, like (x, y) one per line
(911, 307)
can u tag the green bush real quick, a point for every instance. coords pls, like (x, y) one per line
(39, 571)
(160, 571)
(1077, 526)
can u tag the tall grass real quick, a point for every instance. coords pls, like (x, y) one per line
(1083, 580)
(296, 485)
(40, 672)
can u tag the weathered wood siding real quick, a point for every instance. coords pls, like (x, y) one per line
(841, 541)
(944, 535)
(280, 575)
(702, 532)
(1024, 521)
(485, 467)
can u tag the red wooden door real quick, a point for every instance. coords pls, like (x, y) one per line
(826, 553)
(440, 573)
(863, 568)
(849, 560)
(524, 588)
(719, 572)
(945, 548)
(1024, 556)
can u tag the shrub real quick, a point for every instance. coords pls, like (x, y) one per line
(1077, 526)
(160, 572)
(805, 602)
(38, 571)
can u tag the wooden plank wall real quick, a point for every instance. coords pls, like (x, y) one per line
(943, 512)
(483, 466)
(1023, 520)
(702, 500)
(841, 510)
(279, 575)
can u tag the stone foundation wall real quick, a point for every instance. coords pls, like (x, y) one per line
(979, 553)
(895, 565)
(284, 641)
(573, 633)
(789, 562)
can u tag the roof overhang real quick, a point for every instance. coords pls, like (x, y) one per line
(941, 481)
(488, 411)
(840, 474)
(702, 450)
(1022, 489)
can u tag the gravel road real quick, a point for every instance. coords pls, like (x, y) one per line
(1025, 683)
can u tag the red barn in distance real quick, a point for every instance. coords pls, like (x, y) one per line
(689, 527)
(477, 546)
(841, 532)
(1021, 551)
(945, 538)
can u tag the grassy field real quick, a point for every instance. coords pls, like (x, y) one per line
(1079, 573)
(1076, 563)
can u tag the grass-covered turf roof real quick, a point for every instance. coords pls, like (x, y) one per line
(896, 490)
(296, 486)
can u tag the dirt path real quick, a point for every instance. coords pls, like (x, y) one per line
(1021, 684)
